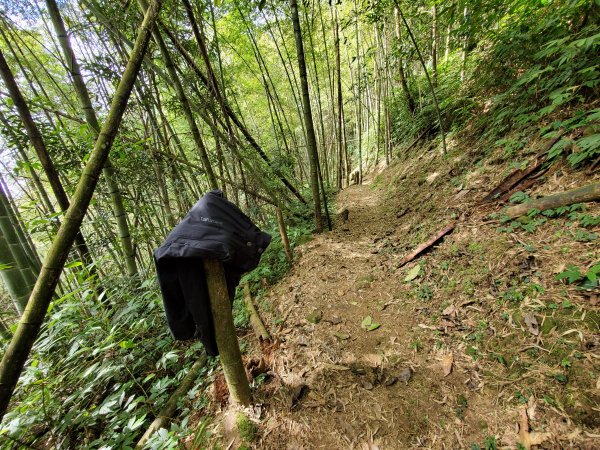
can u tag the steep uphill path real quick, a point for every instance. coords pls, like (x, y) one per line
(448, 366)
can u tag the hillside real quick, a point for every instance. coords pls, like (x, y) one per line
(453, 362)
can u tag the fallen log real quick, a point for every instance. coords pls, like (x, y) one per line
(166, 414)
(257, 324)
(421, 248)
(588, 193)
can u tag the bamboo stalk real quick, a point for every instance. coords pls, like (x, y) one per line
(588, 193)
(257, 324)
(166, 413)
(284, 237)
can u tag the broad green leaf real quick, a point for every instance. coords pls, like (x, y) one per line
(571, 274)
(368, 324)
(413, 273)
(73, 264)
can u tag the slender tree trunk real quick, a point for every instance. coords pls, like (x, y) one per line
(42, 153)
(323, 146)
(311, 143)
(465, 46)
(358, 97)
(92, 120)
(410, 102)
(18, 350)
(340, 103)
(17, 273)
(435, 101)
(434, 39)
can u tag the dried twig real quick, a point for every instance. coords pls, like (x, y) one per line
(421, 248)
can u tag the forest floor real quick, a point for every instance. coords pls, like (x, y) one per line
(480, 346)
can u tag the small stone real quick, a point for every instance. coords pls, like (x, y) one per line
(390, 381)
(405, 375)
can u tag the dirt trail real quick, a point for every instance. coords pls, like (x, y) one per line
(336, 384)
(344, 386)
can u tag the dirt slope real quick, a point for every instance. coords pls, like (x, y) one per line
(363, 388)
(335, 384)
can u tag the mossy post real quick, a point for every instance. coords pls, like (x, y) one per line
(227, 343)
(31, 321)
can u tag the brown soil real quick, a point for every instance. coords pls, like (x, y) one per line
(334, 384)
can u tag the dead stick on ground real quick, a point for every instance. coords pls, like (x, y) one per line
(227, 342)
(515, 178)
(257, 324)
(416, 140)
(421, 248)
(166, 414)
(284, 236)
(588, 193)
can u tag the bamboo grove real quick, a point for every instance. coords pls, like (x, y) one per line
(116, 116)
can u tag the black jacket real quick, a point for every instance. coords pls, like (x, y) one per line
(214, 228)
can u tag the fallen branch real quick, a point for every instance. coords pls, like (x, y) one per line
(521, 186)
(519, 175)
(417, 139)
(284, 237)
(588, 193)
(166, 414)
(421, 248)
(257, 324)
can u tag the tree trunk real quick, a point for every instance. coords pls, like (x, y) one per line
(463, 63)
(311, 143)
(227, 342)
(434, 39)
(410, 102)
(358, 98)
(18, 350)
(340, 103)
(257, 324)
(588, 193)
(422, 60)
(16, 271)
(92, 120)
(42, 153)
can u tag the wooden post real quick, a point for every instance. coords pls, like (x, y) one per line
(227, 343)
(284, 236)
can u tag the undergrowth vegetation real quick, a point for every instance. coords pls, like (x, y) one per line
(102, 370)
(533, 75)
